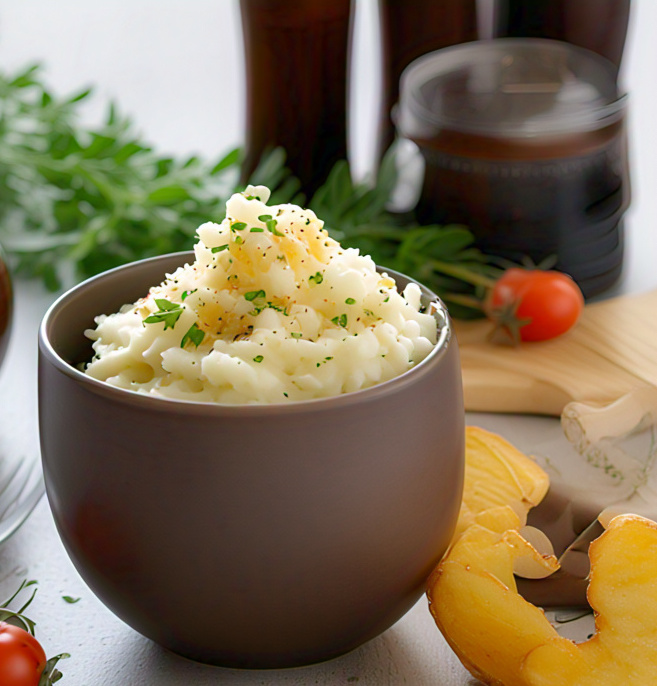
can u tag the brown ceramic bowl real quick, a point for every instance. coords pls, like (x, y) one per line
(6, 306)
(250, 536)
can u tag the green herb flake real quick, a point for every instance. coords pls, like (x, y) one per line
(341, 320)
(278, 308)
(253, 295)
(271, 225)
(219, 248)
(194, 335)
(188, 293)
(239, 240)
(265, 218)
(258, 358)
(237, 226)
(256, 229)
(316, 278)
(296, 334)
(169, 313)
(350, 301)
(70, 599)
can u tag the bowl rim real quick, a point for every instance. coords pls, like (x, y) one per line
(47, 351)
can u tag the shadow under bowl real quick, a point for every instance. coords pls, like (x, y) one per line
(254, 536)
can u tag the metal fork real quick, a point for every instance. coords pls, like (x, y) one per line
(20, 491)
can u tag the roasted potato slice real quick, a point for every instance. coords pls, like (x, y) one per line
(497, 473)
(503, 640)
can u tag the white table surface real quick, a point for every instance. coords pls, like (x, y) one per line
(176, 69)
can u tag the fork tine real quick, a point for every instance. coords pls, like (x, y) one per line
(12, 523)
(6, 479)
(13, 486)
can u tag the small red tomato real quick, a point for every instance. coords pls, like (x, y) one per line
(534, 305)
(22, 659)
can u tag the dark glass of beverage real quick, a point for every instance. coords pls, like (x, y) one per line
(524, 142)
(598, 25)
(296, 54)
(410, 29)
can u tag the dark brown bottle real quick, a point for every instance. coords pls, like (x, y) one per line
(296, 55)
(410, 29)
(597, 25)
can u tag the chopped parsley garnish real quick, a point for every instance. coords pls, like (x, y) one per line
(258, 299)
(296, 334)
(238, 226)
(316, 278)
(194, 335)
(350, 301)
(256, 229)
(278, 308)
(239, 239)
(341, 320)
(219, 248)
(169, 313)
(258, 358)
(271, 225)
(186, 293)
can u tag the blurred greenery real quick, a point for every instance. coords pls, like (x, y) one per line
(77, 200)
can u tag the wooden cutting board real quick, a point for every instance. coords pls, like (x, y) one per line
(611, 351)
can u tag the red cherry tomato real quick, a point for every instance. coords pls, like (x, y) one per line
(22, 659)
(534, 305)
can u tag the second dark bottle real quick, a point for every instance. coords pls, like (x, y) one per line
(410, 29)
(597, 25)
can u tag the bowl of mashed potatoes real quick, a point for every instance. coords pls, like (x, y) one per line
(253, 451)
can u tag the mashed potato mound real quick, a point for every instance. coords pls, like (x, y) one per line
(272, 310)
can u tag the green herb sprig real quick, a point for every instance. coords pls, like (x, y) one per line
(77, 200)
(169, 313)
